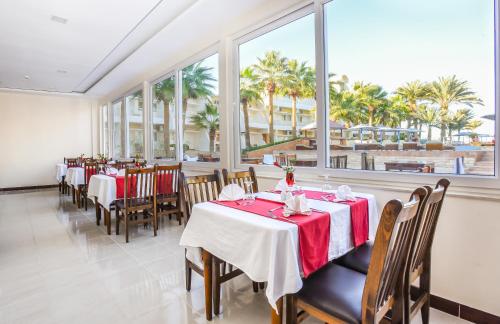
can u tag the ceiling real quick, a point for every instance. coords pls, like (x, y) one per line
(105, 46)
(38, 53)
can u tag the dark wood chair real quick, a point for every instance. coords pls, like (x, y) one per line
(420, 260)
(120, 165)
(336, 294)
(367, 161)
(90, 168)
(240, 178)
(197, 189)
(139, 198)
(71, 163)
(168, 197)
(338, 162)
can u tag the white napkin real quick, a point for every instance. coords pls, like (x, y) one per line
(121, 172)
(232, 192)
(296, 205)
(344, 193)
(281, 186)
(111, 171)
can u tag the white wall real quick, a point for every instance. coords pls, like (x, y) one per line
(39, 130)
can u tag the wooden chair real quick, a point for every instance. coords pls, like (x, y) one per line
(240, 178)
(197, 189)
(335, 294)
(90, 168)
(139, 197)
(420, 262)
(367, 162)
(168, 197)
(420, 255)
(120, 165)
(338, 162)
(71, 163)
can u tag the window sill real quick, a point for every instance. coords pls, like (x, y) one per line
(472, 187)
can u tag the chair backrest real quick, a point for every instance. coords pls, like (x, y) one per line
(168, 180)
(427, 225)
(367, 162)
(124, 164)
(90, 168)
(338, 162)
(390, 254)
(71, 162)
(285, 158)
(198, 189)
(140, 187)
(240, 178)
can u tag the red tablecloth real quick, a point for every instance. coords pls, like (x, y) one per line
(359, 214)
(314, 231)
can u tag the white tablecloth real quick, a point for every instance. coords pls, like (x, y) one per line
(266, 249)
(61, 170)
(104, 188)
(75, 176)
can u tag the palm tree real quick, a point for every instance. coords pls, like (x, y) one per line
(450, 90)
(412, 93)
(343, 107)
(428, 116)
(208, 119)
(459, 120)
(250, 94)
(299, 82)
(370, 97)
(271, 72)
(164, 91)
(197, 83)
(393, 112)
(473, 124)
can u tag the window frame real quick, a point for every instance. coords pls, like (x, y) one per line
(322, 171)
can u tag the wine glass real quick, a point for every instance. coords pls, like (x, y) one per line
(249, 198)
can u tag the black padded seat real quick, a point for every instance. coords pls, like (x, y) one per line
(133, 203)
(335, 290)
(358, 259)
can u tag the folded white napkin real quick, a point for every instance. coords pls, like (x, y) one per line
(296, 205)
(121, 172)
(111, 171)
(344, 193)
(281, 186)
(232, 192)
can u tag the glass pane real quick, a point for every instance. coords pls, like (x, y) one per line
(414, 90)
(105, 132)
(200, 110)
(164, 121)
(118, 130)
(277, 96)
(135, 118)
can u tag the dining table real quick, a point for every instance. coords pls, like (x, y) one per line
(269, 249)
(74, 177)
(61, 170)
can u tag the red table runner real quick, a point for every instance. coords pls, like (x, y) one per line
(359, 214)
(314, 231)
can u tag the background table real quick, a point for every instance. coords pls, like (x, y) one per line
(264, 248)
(75, 176)
(61, 170)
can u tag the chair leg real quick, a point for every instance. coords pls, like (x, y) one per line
(78, 199)
(291, 310)
(73, 194)
(155, 224)
(98, 213)
(425, 288)
(217, 287)
(86, 201)
(255, 286)
(189, 271)
(125, 216)
(117, 215)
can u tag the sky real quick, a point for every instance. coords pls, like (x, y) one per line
(391, 42)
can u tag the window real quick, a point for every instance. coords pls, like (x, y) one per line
(200, 110)
(411, 86)
(135, 119)
(105, 130)
(163, 119)
(277, 88)
(118, 129)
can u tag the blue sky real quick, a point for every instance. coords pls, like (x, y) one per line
(390, 42)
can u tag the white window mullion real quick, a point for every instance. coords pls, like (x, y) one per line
(126, 149)
(178, 109)
(322, 138)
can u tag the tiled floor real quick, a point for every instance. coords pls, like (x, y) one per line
(57, 266)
